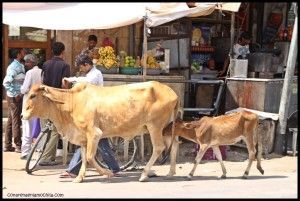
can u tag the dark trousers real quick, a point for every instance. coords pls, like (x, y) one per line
(13, 126)
(106, 153)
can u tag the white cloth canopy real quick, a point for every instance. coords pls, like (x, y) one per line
(75, 16)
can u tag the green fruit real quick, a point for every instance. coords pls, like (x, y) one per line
(131, 64)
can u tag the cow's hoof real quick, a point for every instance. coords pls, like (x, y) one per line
(109, 175)
(189, 177)
(223, 177)
(244, 177)
(171, 174)
(78, 180)
(261, 170)
(152, 174)
(143, 178)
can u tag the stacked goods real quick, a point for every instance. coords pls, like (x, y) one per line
(122, 56)
(151, 62)
(131, 67)
(129, 61)
(107, 57)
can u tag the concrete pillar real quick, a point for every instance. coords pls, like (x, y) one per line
(66, 37)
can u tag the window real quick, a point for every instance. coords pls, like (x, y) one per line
(27, 33)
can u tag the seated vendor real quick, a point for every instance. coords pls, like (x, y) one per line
(240, 51)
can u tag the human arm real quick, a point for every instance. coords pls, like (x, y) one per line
(93, 77)
(225, 67)
(65, 74)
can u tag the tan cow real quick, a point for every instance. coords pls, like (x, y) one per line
(215, 131)
(86, 113)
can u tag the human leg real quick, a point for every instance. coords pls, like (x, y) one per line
(26, 137)
(16, 123)
(50, 150)
(108, 155)
(75, 162)
(8, 129)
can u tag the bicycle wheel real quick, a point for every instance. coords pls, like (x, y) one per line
(125, 157)
(37, 151)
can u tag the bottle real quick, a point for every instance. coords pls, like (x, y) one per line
(291, 16)
(137, 62)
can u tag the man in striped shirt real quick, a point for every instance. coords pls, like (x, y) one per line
(15, 75)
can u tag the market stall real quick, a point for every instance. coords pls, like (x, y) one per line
(191, 51)
(153, 15)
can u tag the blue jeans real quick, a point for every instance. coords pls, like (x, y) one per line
(106, 153)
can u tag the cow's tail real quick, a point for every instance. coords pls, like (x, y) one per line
(175, 113)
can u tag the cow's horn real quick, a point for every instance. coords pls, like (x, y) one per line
(42, 87)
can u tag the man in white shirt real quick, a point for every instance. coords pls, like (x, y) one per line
(93, 76)
(33, 76)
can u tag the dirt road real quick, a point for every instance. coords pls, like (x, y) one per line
(279, 181)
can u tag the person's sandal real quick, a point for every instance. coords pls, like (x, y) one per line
(67, 175)
(9, 149)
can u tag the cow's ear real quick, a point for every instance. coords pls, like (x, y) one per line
(51, 97)
(43, 88)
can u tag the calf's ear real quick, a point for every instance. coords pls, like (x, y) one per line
(188, 125)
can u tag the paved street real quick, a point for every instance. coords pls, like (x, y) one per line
(279, 181)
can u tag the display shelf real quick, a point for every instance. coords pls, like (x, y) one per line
(202, 49)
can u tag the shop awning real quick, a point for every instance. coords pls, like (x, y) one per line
(75, 16)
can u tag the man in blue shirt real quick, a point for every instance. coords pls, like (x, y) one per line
(15, 75)
(54, 70)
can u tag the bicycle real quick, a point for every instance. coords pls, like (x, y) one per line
(125, 151)
(38, 147)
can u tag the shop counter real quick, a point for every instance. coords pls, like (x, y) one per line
(258, 94)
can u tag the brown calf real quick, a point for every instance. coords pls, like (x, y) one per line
(215, 131)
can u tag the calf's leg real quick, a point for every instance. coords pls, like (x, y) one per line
(251, 151)
(201, 152)
(219, 157)
(175, 145)
(259, 153)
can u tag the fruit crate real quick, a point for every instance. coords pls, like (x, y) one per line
(154, 71)
(113, 70)
(130, 70)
